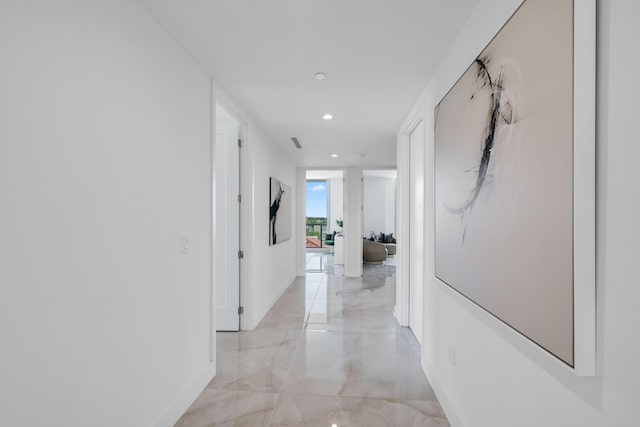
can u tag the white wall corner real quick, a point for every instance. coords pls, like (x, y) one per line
(353, 222)
(185, 398)
(300, 220)
(261, 311)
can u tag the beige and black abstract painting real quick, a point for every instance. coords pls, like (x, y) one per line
(279, 212)
(504, 177)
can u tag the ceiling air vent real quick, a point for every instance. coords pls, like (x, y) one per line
(296, 142)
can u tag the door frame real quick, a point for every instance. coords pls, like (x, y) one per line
(403, 206)
(419, 222)
(222, 99)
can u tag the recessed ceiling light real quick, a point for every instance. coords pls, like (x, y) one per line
(334, 155)
(320, 76)
(327, 117)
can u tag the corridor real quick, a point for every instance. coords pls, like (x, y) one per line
(329, 353)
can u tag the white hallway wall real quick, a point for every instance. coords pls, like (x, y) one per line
(266, 270)
(497, 381)
(104, 165)
(379, 198)
(272, 268)
(300, 222)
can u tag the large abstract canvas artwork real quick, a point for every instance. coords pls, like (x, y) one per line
(279, 212)
(504, 178)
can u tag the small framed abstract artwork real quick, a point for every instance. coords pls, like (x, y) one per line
(514, 144)
(279, 212)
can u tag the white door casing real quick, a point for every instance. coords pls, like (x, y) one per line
(416, 227)
(227, 225)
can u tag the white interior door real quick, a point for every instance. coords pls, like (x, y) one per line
(227, 242)
(416, 234)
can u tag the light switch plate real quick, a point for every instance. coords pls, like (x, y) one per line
(184, 246)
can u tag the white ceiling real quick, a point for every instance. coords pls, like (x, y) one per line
(378, 56)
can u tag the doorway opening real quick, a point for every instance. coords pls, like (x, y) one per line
(379, 208)
(324, 243)
(379, 216)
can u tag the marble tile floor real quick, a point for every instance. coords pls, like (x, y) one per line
(317, 260)
(329, 353)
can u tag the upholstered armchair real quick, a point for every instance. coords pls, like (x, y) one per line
(373, 252)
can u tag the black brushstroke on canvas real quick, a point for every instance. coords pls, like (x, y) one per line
(273, 214)
(496, 111)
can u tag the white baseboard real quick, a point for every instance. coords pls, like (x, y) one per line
(398, 319)
(185, 398)
(260, 312)
(445, 403)
(395, 314)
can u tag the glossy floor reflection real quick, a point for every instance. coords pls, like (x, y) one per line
(328, 353)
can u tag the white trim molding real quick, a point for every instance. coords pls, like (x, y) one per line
(584, 184)
(401, 310)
